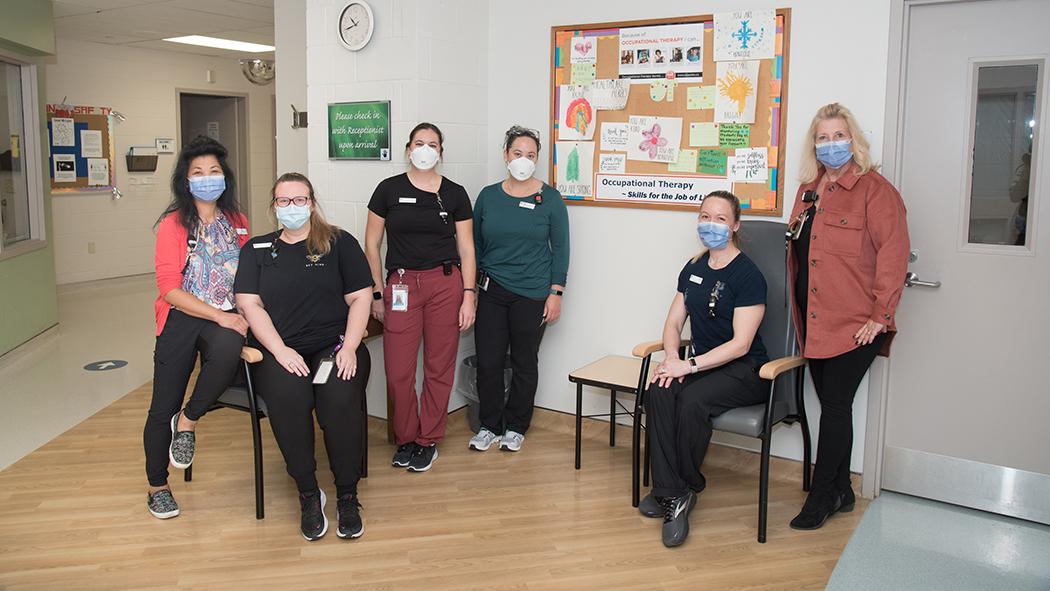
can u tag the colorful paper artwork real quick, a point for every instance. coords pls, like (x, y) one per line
(654, 139)
(575, 114)
(712, 162)
(735, 98)
(575, 168)
(734, 135)
(583, 50)
(662, 90)
(745, 35)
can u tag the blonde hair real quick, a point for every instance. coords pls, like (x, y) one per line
(322, 234)
(810, 168)
(734, 203)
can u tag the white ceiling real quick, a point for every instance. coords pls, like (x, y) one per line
(144, 23)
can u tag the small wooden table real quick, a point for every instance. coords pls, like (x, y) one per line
(613, 372)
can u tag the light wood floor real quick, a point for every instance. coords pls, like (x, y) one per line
(73, 516)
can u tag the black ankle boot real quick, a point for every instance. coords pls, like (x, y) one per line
(847, 501)
(818, 507)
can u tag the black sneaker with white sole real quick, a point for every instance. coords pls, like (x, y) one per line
(423, 458)
(676, 518)
(314, 524)
(183, 445)
(162, 504)
(403, 455)
(350, 524)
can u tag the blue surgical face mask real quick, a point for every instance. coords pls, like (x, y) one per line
(207, 188)
(293, 216)
(835, 154)
(714, 235)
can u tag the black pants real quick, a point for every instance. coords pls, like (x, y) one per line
(174, 358)
(503, 319)
(836, 380)
(291, 402)
(679, 421)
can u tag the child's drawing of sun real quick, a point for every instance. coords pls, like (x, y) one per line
(737, 89)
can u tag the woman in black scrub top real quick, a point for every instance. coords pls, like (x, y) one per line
(306, 291)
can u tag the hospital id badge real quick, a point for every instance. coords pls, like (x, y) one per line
(399, 297)
(324, 370)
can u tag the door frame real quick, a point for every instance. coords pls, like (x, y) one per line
(1022, 483)
(243, 117)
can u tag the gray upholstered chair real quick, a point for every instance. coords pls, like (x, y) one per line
(764, 243)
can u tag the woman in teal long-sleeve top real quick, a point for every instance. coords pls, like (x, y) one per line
(521, 235)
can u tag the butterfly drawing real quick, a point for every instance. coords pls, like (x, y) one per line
(583, 47)
(652, 141)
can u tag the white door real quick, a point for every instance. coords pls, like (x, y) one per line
(968, 393)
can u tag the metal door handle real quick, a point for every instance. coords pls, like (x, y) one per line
(912, 280)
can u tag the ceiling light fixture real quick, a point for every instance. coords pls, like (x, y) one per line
(218, 43)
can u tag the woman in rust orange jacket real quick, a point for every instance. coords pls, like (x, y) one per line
(846, 263)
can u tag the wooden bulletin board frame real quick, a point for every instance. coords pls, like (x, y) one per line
(768, 130)
(84, 118)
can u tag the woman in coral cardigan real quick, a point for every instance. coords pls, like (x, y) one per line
(199, 237)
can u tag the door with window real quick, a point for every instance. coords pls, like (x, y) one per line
(968, 395)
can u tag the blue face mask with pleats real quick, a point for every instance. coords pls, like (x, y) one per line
(714, 235)
(835, 154)
(207, 188)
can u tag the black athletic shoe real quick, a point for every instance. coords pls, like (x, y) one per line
(651, 506)
(314, 524)
(350, 524)
(403, 455)
(423, 458)
(676, 518)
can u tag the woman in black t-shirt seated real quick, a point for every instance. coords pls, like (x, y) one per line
(306, 291)
(723, 294)
(430, 295)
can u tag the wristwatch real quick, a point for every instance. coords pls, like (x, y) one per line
(693, 367)
(556, 292)
(377, 295)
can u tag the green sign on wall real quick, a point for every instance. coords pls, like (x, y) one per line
(359, 131)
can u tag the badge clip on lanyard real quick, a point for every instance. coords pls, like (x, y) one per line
(326, 365)
(399, 293)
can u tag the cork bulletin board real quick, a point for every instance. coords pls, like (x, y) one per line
(80, 142)
(658, 113)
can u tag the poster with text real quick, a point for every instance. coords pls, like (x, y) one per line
(98, 172)
(745, 35)
(735, 93)
(654, 139)
(610, 94)
(651, 53)
(575, 168)
(359, 130)
(575, 113)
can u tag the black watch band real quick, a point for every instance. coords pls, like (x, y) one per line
(556, 292)
(377, 295)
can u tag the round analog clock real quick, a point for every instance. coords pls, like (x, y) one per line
(355, 25)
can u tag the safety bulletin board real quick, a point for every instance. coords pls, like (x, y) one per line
(80, 140)
(658, 113)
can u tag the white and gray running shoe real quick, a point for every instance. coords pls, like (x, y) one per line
(483, 440)
(162, 504)
(511, 441)
(183, 445)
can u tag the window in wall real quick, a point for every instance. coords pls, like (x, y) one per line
(1004, 134)
(20, 184)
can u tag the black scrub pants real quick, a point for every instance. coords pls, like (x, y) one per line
(679, 421)
(291, 402)
(507, 319)
(174, 358)
(835, 380)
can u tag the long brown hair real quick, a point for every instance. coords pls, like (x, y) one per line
(734, 202)
(322, 234)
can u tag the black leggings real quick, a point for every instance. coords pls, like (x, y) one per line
(505, 318)
(174, 358)
(836, 380)
(291, 402)
(679, 421)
